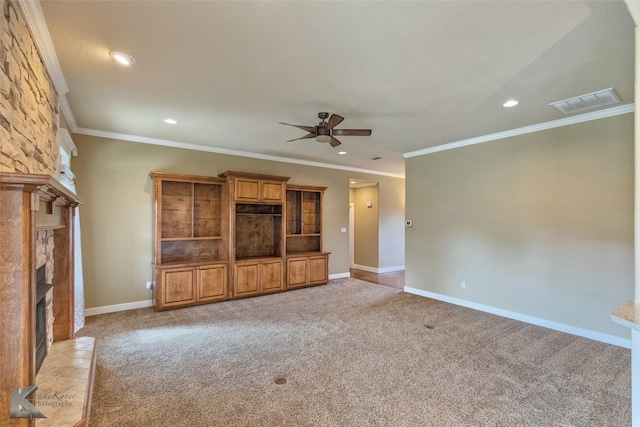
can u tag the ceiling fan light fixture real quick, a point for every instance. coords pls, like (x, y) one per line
(123, 58)
(323, 138)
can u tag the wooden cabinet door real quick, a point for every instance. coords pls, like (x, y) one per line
(271, 276)
(247, 276)
(272, 192)
(212, 282)
(178, 286)
(247, 190)
(296, 272)
(318, 269)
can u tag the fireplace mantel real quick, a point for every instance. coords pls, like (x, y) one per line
(28, 203)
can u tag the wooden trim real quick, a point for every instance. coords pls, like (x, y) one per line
(306, 254)
(88, 395)
(305, 188)
(227, 174)
(186, 178)
(48, 187)
(63, 280)
(17, 297)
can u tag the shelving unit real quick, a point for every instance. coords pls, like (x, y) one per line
(307, 264)
(190, 240)
(258, 231)
(257, 226)
(235, 236)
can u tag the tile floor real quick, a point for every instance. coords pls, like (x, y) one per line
(392, 280)
(62, 382)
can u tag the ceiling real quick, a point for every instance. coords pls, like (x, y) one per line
(419, 74)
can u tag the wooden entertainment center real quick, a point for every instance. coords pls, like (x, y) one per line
(233, 236)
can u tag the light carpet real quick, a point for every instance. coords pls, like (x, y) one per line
(352, 354)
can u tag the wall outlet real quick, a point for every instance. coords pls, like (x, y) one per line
(148, 285)
(463, 284)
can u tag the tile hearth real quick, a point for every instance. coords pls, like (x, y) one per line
(64, 383)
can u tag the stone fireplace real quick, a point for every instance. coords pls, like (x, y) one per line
(44, 310)
(44, 261)
(36, 230)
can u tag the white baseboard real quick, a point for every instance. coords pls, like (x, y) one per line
(339, 275)
(379, 270)
(585, 333)
(117, 307)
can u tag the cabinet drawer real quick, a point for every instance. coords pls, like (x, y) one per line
(271, 279)
(178, 286)
(247, 189)
(246, 279)
(212, 283)
(272, 192)
(318, 269)
(296, 272)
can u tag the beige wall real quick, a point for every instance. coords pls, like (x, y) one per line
(391, 219)
(28, 101)
(112, 179)
(538, 224)
(379, 231)
(366, 222)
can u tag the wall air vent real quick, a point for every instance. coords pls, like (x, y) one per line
(601, 98)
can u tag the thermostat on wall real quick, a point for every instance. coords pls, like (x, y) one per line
(408, 223)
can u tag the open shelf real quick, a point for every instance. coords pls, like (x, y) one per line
(183, 250)
(190, 209)
(304, 219)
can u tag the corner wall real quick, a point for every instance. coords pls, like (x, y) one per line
(538, 224)
(367, 226)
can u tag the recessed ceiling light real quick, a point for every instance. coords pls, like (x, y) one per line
(342, 152)
(123, 58)
(170, 121)
(510, 103)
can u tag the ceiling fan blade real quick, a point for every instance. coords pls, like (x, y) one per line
(334, 142)
(334, 120)
(310, 129)
(309, 135)
(351, 132)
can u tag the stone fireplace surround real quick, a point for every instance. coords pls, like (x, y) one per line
(44, 258)
(32, 207)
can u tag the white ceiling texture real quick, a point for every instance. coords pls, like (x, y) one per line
(419, 74)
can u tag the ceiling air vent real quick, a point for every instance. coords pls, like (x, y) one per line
(589, 101)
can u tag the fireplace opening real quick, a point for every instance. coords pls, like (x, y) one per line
(42, 287)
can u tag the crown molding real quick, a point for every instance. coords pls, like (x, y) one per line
(38, 26)
(63, 103)
(634, 9)
(595, 115)
(65, 140)
(36, 22)
(197, 147)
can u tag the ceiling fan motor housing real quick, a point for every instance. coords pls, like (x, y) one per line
(322, 133)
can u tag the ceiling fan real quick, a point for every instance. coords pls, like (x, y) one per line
(325, 131)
